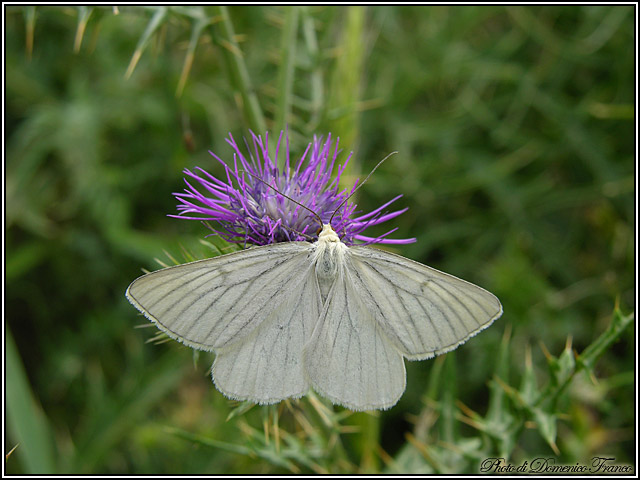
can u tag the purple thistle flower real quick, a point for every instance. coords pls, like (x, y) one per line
(248, 210)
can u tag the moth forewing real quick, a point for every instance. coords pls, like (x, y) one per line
(210, 303)
(424, 311)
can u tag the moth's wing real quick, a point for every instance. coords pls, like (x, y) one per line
(423, 311)
(211, 303)
(349, 359)
(266, 365)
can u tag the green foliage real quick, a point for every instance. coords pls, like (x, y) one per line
(515, 132)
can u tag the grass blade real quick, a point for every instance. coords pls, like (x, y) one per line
(26, 420)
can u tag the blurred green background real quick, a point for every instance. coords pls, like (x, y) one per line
(515, 133)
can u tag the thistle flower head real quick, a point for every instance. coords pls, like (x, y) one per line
(249, 207)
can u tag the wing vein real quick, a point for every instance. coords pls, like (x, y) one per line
(396, 290)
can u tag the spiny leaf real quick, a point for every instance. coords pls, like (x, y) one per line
(84, 13)
(158, 18)
(30, 25)
(199, 24)
(209, 442)
(241, 409)
(529, 385)
(593, 352)
(547, 426)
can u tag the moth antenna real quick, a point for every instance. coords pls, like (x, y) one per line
(361, 184)
(220, 252)
(302, 234)
(288, 197)
(307, 236)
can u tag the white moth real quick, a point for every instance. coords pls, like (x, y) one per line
(285, 317)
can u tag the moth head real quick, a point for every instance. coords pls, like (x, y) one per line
(328, 234)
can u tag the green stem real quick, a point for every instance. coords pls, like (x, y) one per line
(287, 67)
(447, 412)
(346, 85)
(367, 441)
(316, 92)
(224, 35)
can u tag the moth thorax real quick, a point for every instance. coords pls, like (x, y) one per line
(327, 260)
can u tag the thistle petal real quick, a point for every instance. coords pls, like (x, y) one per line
(251, 208)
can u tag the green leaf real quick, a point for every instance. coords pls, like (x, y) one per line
(27, 422)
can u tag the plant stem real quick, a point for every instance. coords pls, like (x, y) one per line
(223, 34)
